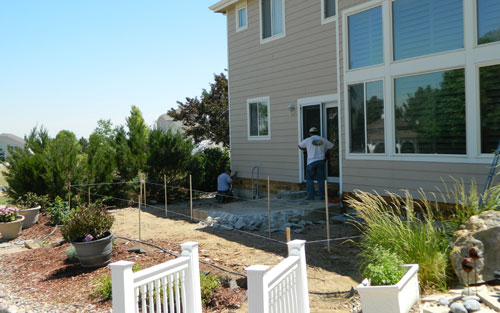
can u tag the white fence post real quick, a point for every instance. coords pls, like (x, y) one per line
(258, 293)
(193, 289)
(123, 289)
(298, 248)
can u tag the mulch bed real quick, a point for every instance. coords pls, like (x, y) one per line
(49, 277)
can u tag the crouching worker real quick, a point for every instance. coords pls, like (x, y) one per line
(224, 183)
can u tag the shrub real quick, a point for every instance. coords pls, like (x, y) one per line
(394, 226)
(87, 224)
(104, 290)
(384, 267)
(71, 254)
(59, 212)
(208, 283)
(214, 162)
(31, 200)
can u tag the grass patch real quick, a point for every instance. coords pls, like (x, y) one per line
(3, 182)
(4, 199)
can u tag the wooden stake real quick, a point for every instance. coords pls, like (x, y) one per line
(327, 216)
(288, 237)
(191, 195)
(140, 202)
(69, 195)
(145, 202)
(89, 195)
(268, 207)
(165, 185)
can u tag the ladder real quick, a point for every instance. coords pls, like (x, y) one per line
(490, 176)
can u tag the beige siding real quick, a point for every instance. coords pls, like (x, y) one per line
(394, 176)
(300, 65)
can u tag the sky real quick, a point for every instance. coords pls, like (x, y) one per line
(65, 64)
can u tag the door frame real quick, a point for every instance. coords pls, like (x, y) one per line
(326, 101)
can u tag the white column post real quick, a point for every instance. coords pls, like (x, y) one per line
(298, 248)
(193, 289)
(123, 289)
(258, 293)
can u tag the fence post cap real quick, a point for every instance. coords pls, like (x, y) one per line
(189, 246)
(121, 264)
(257, 268)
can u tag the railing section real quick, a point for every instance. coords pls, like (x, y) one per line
(170, 287)
(282, 289)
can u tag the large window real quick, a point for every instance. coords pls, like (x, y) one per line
(430, 113)
(366, 109)
(272, 18)
(489, 81)
(423, 27)
(258, 118)
(365, 38)
(488, 21)
(241, 17)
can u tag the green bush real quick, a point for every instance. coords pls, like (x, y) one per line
(31, 200)
(71, 254)
(59, 212)
(94, 221)
(103, 288)
(214, 162)
(384, 267)
(208, 283)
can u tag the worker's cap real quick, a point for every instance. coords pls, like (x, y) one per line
(227, 170)
(313, 130)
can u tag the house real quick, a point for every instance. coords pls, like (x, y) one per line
(409, 91)
(10, 140)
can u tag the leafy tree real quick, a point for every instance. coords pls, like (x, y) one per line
(207, 117)
(2, 154)
(138, 133)
(213, 161)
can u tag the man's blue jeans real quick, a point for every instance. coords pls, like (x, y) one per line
(315, 171)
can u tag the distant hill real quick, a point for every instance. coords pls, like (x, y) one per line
(10, 140)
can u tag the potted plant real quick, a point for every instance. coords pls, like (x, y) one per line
(89, 230)
(390, 286)
(29, 205)
(10, 223)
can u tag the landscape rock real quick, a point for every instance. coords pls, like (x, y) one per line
(475, 298)
(483, 232)
(457, 307)
(472, 305)
(468, 292)
(233, 284)
(444, 301)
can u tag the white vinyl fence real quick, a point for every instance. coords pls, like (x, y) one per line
(282, 289)
(170, 287)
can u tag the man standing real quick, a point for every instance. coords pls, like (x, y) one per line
(316, 147)
(224, 183)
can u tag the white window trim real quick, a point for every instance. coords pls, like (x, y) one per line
(239, 7)
(278, 36)
(471, 57)
(267, 100)
(326, 20)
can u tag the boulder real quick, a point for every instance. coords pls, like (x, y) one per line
(481, 231)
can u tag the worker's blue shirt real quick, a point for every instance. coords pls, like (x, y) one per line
(223, 182)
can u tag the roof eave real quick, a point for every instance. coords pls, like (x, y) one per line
(221, 6)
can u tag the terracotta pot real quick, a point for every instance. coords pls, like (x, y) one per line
(12, 230)
(30, 216)
(95, 253)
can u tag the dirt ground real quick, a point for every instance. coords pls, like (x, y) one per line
(332, 274)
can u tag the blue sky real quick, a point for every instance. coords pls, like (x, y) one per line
(65, 64)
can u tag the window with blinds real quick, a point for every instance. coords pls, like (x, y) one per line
(365, 38)
(488, 21)
(272, 18)
(430, 113)
(422, 27)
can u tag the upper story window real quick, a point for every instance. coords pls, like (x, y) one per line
(430, 113)
(488, 21)
(241, 17)
(272, 16)
(328, 11)
(422, 27)
(258, 118)
(366, 117)
(365, 38)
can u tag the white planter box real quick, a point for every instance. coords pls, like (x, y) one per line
(398, 298)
